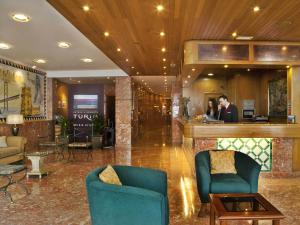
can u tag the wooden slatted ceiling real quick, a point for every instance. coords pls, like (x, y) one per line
(134, 26)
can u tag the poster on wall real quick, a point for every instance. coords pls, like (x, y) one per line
(21, 92)
(278, 98)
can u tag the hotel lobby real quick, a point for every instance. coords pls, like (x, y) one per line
(133, 112)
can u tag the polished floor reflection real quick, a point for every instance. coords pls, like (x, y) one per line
(60, 198)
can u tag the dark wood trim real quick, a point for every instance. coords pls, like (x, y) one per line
(20, 66)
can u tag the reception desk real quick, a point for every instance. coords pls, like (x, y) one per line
(274, 145)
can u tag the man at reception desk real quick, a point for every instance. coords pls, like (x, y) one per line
(227, 111)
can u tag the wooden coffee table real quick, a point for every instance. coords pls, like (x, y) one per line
(227, 207)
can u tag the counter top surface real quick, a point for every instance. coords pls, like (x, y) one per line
(194, 129)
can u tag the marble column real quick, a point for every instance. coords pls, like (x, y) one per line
(176, 95)
(123, 111)
(50, 89)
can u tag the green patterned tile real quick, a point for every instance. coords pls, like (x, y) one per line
(260, 149)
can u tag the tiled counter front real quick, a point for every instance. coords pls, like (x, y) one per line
(276, 161)
(30, 130)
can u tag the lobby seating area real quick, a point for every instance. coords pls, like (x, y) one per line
(122, 112)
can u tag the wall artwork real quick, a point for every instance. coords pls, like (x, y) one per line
(278, 97)
(21, 92)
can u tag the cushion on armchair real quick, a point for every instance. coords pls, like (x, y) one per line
(222, 162)
(109, 176)
(3, 143)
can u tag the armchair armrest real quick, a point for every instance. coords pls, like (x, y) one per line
(248, 169)
(203, 178)
(112, 204)
(150, 179)
(17, 141)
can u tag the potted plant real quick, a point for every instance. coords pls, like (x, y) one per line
(97, 130)
(63, 123)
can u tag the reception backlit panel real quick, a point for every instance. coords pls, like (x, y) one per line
(260, 149)
(276, 53)
(222, 52)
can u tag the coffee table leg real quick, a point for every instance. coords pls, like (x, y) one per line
(276, 222)
(212, 215)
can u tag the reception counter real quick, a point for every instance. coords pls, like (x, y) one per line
(274, 145)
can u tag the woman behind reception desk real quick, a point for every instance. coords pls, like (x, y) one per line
(227, 111)
(212, 109)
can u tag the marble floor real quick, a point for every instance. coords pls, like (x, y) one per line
(60, 197)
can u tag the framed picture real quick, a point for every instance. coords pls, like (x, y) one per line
(278, 98)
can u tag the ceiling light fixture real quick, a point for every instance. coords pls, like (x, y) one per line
(118, 49)
(225, 66)
(186, 81)
(193, 69)
(159, 8)
(189, 76)
(106, 33)
(164, 59)
(256, 8)
(19, 17)
(86, 8)
(127, 60)
(41, 61)
(162, 33)
(163, 49)
(287, 66)
(234, 34)
(244, 38)
(224, 48)
(132, 67)
(86, 60)
(33, 67)
(5, 46)
(210, 74)
(63, 44)
(284, 48)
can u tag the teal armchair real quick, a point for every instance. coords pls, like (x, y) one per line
(142, 199)
(245, 181)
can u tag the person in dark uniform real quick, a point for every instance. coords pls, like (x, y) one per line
(227, 111)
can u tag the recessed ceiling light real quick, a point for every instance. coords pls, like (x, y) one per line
(256, 8)
(132, 67)
(210, 74)
(224, 48)
(284, 48)
(86, 8)
(244, 38)
(106, 33)
(225, 66)
(41, 61)
(287, 66)
(86, 60)
(165, 73)
(165, 67)
(118, 49)
(248, 70)
(159, 8)
(5, 46)
(163, 49)
(186, 81)
(20, 17)
(127, 60)
(164, 59)
(137, 73)
(193, 69)
(33, 67)
(234, 34)
(63, 44)
(189, 76)
(78, 81)
(162, 33)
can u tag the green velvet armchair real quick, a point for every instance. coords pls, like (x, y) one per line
(142, 199)
(245, 181)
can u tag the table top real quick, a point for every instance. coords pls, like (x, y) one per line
(243, 207)
(11, 169)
